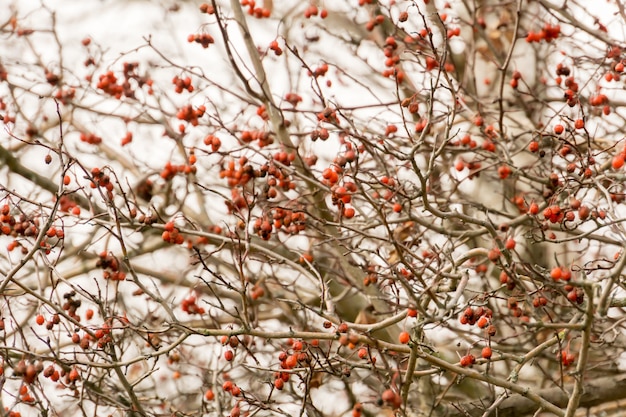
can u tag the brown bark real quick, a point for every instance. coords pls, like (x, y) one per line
(599, 391)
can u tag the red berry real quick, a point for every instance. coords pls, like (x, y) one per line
(40, 320)
(404, 337)
(504, 171)
(362, 353)
(467, 360)
(558, 129)
(510, 244)
(279, 384)
(486, 352)
(494, 254)
(482, 322)
(579, 124)
(556, 273)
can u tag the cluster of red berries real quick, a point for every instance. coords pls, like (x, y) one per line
(617, 69)
(479, 316)
(190, 304)
(560, 273)
(100, 179)
(282, 157)
(554, 214)
(191, 115)
(71, 305)
(84, 343)
(90, 138)
(203, 39)
(321, 133)
(516, 310)
(52, 373)
(392, 60)
(391, 398)
(68, 205)
(258, 12)
(171, 234)
(65, 95)
(575, 295)
(110, 267)
(182, 84)
(102, 335)
(319, 71)
(371, 278)
(288, 221)
(108, 82)
(169, 171)
(293, 99)
(237, 201)
(51, 78)
(312, 10)
(256, 292)
(22, 226)
(54, 320)
(467, 360)
(285, 220)
(207, 8)
(261, 111)
(331, 175)
(299, 354)
(515, 79)
(230, 387)
(548, 33)
(264, 138)
(328, 115)
(375, 21)
(241, 175)
(214, 142)
(276, 48)
(566, 357)
(341, 196)
(263, 228)
(53, 232)
(28, 371)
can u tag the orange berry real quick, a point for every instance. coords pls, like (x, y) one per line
(404, 337)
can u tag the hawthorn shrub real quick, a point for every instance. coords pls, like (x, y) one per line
(413, 208)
